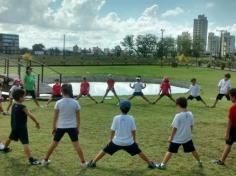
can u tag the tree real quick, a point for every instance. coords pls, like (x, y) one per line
(146, 44)
(118, 50)
(24, 50)
(129, 44)
(197, 48)
(184, 45)
(38, 47)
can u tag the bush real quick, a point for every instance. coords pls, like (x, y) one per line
(209, 65)
(174, 64)
(222, 66)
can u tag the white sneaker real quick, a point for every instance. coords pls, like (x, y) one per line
(2, 146)
(84, 165)
(45, 163)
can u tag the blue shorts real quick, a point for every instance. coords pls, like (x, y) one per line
(138, 94)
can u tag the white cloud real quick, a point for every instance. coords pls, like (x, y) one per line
(173, 12)
(210, 5)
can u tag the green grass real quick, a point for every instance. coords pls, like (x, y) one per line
(153, 124)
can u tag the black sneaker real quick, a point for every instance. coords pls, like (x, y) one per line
(218, 162)
(152, 165)
(33, 162)
(6, 150)
(91, 164)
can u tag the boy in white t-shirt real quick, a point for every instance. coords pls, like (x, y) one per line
(123, 137)
(66, 119)
(194, 91)
(224, 86)
(181, 134)
(138, 86)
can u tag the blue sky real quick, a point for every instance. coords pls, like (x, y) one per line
(105, 22)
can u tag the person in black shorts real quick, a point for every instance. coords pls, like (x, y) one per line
(122, 137)
(181, 134)
(19, 129)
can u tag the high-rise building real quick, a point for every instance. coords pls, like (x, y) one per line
(9, 44)
(227, 44)
(200, 28)
(213, 44)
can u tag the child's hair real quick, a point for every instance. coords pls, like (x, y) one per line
(232, 92)
(125, 106)
(193, 80)
(182, 102)
(84, 78)
(228, 76)
(28, 68)
(66, 89)
(17, 94)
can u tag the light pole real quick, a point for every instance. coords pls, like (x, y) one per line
(64, 46)
(162, 44)
(221, 41)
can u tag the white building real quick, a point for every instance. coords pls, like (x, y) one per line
(213, 44)
(227, 44)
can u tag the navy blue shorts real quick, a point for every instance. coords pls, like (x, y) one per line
(138, 94)
(19, 134)
(232, 136)
(220, 96)
(31, 93)
(198, 98)
(72, 132)
(188, 147)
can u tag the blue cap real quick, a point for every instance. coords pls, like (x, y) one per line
(125, 104)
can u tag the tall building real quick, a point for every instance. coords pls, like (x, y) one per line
(213, 44)
(9, 44)
(227, 44)
(200, 28)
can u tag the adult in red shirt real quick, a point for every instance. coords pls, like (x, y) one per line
(165, 90)
(84, 90)
(230, 135)
(56, 92)
(110, 87)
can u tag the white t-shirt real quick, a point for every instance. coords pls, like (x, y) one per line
(194, 90)
(68, 108)
(123, 125)
(13, 88)
(224, 86)
(138, 86)
(183, 122)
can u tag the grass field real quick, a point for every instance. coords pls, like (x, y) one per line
(153, 124)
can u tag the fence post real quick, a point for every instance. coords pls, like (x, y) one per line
(19, 68)
(38, 85)
(42, 73)
(7, 68)
(60, 78)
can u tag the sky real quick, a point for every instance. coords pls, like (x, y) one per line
(105, 23)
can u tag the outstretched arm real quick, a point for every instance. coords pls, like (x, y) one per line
(173, 132)
(112, 135)
(32, 117)
(78, 119)
(134, 136)
(54, 121)
(229, 125)
(131, 86)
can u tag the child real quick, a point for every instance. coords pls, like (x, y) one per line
(181, 133)
(16, 85)
(1, 100)
(84, 90)
(165, 90)
(29, 84)
(230, 136)
(224, 87)
(19, 129)
(194, 91)
(56, 92)
(123, 137)
(66, 119)
(110, 87)
(138, 86)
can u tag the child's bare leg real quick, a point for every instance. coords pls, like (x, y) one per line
(158, 98)
(99, 156)
(114, 92)
(225, 153)
(36, 102)
(51, 148)
(214, 105)
(7, 143)
(145, 98)
(196, 156)
(130, 98)
(79, 151)
(9, 105)
(204, 103)
(107, 91)
(167, 157)
(1, 108)
(49, 101)
(27, 151)
(79, 96)
(172, 99)
(144, 157)
(92, 98)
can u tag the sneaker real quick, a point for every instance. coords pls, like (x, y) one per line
(91, 164)
(199, 163)
(102, 102)
(34, 162)
(45, 163)
(218, 162)
(6, 150)
(152, 165)
(84, 165)
(5, 113)
(2, 146)
(161, 166)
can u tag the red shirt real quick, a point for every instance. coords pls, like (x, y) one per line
(84, 88)
(110, 83)
(232, 115)
(165, 86)
(56, 89)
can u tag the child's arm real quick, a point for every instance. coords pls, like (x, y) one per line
(130, 85)
(144, 85)
(229, 125)
(112, 135)
(32, 117)
(173, 132)
(134, 136)
(54, 122)
(78, 119)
